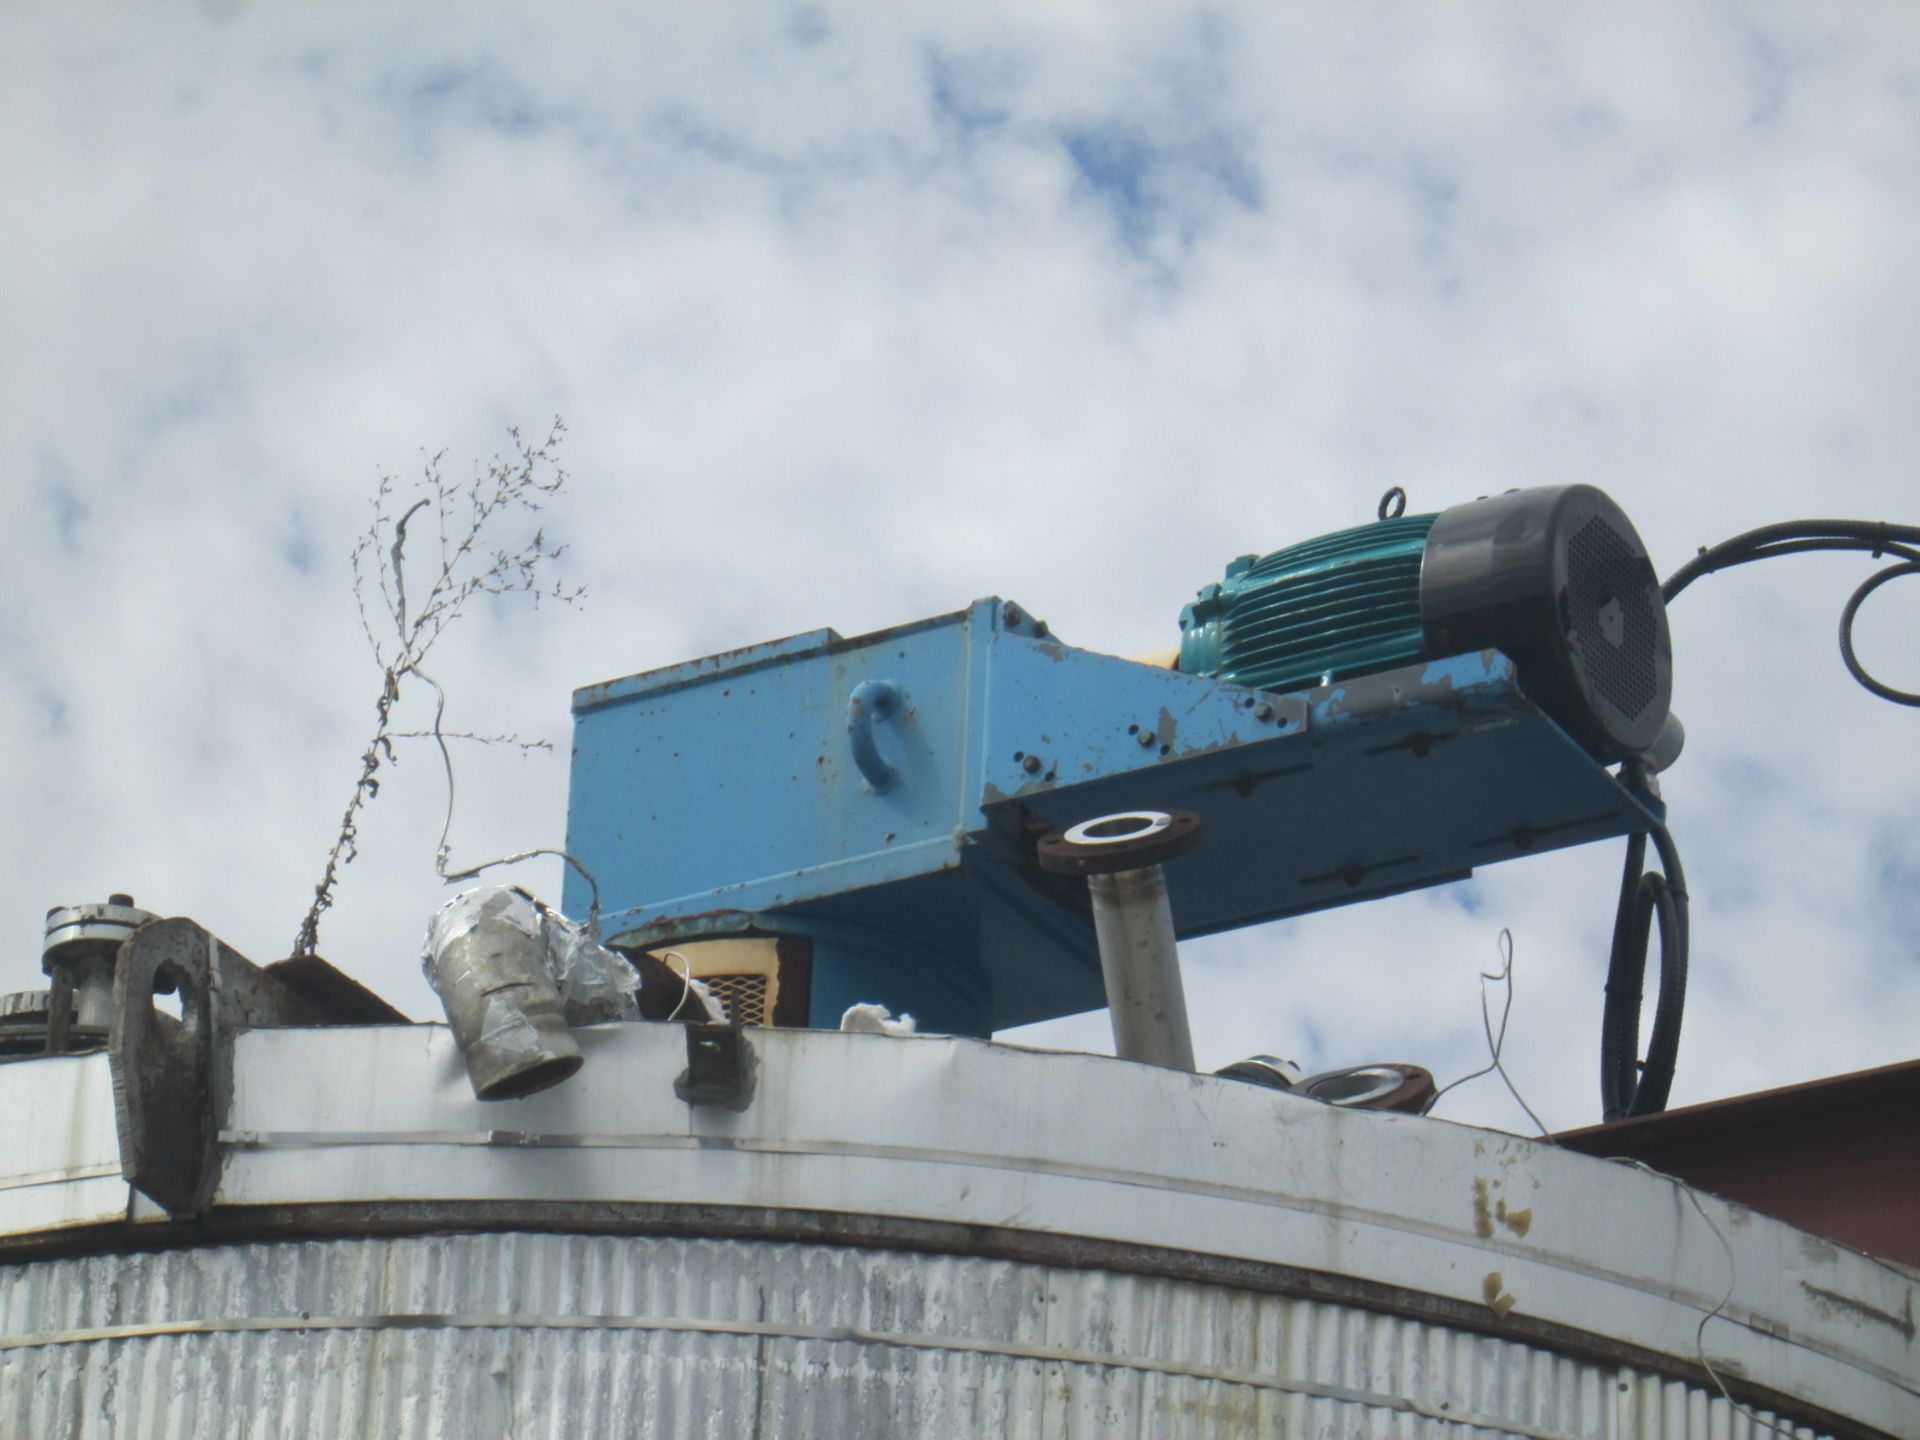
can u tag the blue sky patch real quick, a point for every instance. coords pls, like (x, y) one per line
(60, 495)
(809, 26)
(970, 95)
(297, 546)
(1149, 188)
(481, 96)
(53, 712)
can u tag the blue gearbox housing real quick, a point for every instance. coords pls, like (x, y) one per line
(870, 807)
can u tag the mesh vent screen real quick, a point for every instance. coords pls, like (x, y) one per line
(1615, 627)
(746, 998)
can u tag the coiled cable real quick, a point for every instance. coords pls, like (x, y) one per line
(1795, 537)
(1630, 1086)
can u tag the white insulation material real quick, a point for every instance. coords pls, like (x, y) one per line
(489, 1336)
(865, 1019)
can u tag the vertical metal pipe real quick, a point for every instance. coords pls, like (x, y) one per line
(59, 1011)
(81, 949)
(1120, 857)
(1134, 925)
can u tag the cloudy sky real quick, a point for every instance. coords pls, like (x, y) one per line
(855, 315)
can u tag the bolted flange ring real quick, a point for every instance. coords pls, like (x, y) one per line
(1128, 840)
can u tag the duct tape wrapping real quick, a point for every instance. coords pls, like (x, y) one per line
(593, 983)
(513, 976)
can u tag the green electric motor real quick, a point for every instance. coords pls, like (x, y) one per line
(1555, 577)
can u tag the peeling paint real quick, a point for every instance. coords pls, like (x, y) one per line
(1482, 1209)
(1493, 1294)
(1518, 1221)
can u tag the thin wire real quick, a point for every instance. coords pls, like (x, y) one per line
(1497, 1042)
(513, 740)
(446, 761)
(686, 981)
(593, 909)
(1700, 1330)
(441, 854)
(1494, 1046)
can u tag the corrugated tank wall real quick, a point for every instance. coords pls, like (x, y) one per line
(478, 1336)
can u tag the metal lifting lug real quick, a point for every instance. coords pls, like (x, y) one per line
(720, 1067)
(172, 1076)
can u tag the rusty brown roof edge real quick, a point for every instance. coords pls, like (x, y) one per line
(1882, 1085)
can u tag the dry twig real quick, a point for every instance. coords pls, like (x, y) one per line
(468, 565)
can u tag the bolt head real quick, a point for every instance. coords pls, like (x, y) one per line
(1031, 764)
(1148, 739)
(1263, 711)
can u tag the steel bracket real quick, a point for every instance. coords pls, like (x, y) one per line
(720, 1067)
(172, 1075)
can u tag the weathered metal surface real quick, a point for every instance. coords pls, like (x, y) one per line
(43, 1022)
(60, 1163)
(170, 1076)
(82, 942)
(720, 1067)
(1839, 1156)
(345, 999)
(967, 1133)
(1076, 1160)
(484, 1336)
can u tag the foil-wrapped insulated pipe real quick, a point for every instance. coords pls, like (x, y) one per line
(487, 957)
(1120, 857)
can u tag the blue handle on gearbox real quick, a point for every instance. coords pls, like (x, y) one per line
(871, 700)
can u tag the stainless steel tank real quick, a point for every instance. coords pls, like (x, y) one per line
(893, 1236)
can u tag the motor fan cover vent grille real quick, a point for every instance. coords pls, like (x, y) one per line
(1615, 625)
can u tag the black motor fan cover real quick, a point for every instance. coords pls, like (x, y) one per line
(1556, 578)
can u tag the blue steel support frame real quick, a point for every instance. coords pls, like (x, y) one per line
(882, 796)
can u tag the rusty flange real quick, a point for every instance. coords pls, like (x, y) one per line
(1129, 840)
(1398, 1086)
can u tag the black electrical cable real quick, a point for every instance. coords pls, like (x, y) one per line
(1629, 1086)
(1795, 537)
(1873, 582)
(1790, 537)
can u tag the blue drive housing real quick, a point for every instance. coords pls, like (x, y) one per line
(882, 796)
